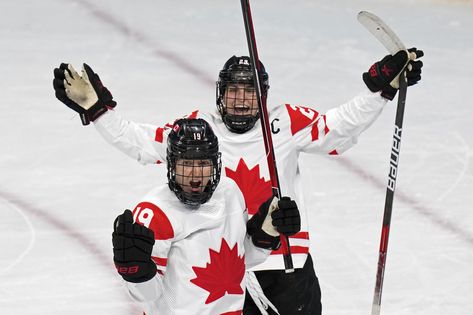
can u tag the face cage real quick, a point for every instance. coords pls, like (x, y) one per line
(236, 122)
(194, 199)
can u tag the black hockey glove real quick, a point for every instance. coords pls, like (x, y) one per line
(273, 218)
(286, 218)
(384, 75)
(132, 246)
(84, 94)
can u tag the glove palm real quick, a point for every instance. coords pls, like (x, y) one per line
(84, 93)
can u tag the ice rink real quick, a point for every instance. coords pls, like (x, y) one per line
(62, 185)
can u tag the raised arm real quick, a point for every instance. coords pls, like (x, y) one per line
(86, 95)
(339, 128)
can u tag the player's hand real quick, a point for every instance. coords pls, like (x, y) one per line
(384, 75)
(84, 94)
(273, 218)
(132, 247)
(286, 217)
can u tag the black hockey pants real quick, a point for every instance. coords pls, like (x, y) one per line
(297, 295)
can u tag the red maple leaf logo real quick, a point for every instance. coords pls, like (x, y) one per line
(255, 189)
(223, 274)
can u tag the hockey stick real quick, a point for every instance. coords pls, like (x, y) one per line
(393, 44)
(268, 141)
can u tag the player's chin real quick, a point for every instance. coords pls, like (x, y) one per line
(192, 190)
(242, 113)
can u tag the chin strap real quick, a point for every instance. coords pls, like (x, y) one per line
(257, 294)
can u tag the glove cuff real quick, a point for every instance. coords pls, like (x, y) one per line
(389, 93)
(94, 112)
(369, 82)
(133, 272)
(266, 241)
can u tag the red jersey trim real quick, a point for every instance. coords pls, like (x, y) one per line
(159, 136)
(301, 235)
(154, 218)
(160, 261)
(294, 250)
(300, 117)
(193, 115)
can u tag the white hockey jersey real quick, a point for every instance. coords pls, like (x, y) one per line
(200, 253)
(295, 129)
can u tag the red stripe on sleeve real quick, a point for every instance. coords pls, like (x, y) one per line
(159, 135)
(301, 235)
(160, 261)
(294, 250)
(326, 129)
(193, 115)
(315, 131)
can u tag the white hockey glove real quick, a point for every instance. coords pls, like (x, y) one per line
(84, 94)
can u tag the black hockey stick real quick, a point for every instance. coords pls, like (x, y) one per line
(265, 126)
(390, 40)
(388, 204)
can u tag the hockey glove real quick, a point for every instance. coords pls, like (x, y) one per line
(273, 218)
(132, 246)
(286, 218)
(84, 94)
(384, 75)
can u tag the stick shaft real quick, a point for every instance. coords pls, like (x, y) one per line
(264, 118)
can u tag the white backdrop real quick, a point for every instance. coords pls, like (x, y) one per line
(61, 185)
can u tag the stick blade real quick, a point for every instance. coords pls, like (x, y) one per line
(381, 31)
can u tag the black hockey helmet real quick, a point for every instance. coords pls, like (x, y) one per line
(237, 70)
(190, 140)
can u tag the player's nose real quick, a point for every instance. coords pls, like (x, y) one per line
(197, 171)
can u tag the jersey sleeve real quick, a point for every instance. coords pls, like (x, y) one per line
(338, 129)
(145, 292)
(254, 255)
(145, 143)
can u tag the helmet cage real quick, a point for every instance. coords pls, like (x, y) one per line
(183, 147)
(237, 71)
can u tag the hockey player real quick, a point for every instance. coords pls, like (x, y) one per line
(295, 129)
(187, 255)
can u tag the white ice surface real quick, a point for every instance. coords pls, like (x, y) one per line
(61, 185)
